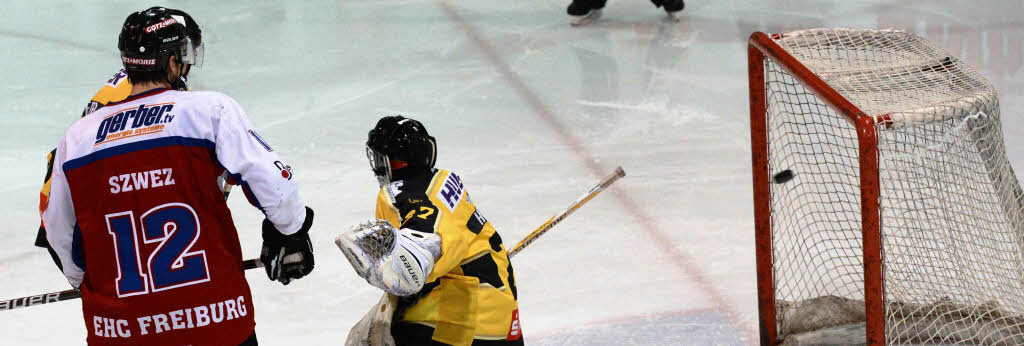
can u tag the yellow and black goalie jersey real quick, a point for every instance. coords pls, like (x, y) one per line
(116, 89)
(470, 295)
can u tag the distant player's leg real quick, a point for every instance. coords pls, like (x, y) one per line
(672, 7)
(584, 12)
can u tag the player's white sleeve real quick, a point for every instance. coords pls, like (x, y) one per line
(60, 222)
(251, 161)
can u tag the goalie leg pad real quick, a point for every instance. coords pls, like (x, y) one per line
(375, 327)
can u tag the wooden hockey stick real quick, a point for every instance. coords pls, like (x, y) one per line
(375, 327)
(554, 220)
(226, 190)
(53, 297)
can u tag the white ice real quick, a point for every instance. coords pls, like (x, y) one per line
(529, 110)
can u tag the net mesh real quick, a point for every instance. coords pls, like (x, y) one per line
(950, 204)
(378, 240)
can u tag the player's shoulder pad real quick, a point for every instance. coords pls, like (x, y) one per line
(119, 78)
(208, 95)
(116, 89)
(219, 104)
(409, 193)
(448, 189)
(392, 191)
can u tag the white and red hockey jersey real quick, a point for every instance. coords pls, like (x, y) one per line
(142, 228)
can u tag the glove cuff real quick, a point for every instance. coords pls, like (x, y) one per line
(271, 233)
(307, 223)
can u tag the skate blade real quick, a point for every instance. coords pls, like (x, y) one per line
(672, 17)
(586, 19)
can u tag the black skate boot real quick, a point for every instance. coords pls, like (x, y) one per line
(584, 12)
(672, 7)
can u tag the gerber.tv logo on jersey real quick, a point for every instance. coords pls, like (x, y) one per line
(131, 122)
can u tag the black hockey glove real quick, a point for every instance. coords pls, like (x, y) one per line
(287, 257)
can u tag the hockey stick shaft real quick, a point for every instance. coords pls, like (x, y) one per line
(54, 297)
(226, 190)
(554, 220)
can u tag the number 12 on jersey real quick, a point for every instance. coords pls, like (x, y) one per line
(174, 227)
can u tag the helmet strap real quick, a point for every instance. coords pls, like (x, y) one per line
(177, 62)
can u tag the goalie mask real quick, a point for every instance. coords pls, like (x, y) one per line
(399, 147)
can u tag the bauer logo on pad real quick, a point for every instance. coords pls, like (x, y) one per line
(451, 192)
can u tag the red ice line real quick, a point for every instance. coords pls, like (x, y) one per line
(683, 261)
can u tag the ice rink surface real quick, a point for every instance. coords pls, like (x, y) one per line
(530, 111)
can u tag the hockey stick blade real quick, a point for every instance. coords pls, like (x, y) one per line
(554, 220)
(54, 297)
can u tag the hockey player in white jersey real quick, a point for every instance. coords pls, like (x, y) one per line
(116, 89)
(135, 215)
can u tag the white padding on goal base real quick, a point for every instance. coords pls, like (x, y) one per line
(981, 324)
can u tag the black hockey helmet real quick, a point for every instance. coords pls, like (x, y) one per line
(148, 38)
(399, 147)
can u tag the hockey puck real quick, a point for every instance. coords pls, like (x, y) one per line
(783, 176)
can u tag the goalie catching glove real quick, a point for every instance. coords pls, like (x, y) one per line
(287, 257)
(397, 261)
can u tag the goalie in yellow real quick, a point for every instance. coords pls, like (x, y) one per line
(432, 248)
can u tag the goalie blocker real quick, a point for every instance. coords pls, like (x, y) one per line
(430, 231)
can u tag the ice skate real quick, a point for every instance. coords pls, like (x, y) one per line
(584, 12)
(673, 8)
(586, 19)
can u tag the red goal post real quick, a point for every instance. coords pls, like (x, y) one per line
(761, 46)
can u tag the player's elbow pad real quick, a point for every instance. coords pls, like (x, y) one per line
(397, 261)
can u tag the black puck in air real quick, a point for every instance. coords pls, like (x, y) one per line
(783, 176)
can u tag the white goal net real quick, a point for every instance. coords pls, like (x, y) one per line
(949, 207)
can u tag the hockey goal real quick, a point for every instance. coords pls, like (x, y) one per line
(902, 222)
